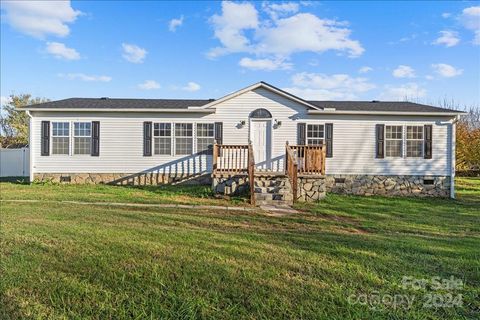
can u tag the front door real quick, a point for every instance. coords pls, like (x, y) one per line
(261, 136)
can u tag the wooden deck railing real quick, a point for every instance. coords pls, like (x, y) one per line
(230, 158)
(235, 159)
(310, 159)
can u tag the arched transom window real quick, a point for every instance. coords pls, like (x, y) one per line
(260, 113)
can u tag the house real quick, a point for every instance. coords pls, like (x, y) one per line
(314, 147)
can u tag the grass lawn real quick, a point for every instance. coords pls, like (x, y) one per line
(63, 261)
(178, 194)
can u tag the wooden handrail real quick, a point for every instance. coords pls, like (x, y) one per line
(251, 173)
(291, 170)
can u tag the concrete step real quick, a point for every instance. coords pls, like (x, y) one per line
(274, 196)
(273, 203)
(282, 190)
(272, 183)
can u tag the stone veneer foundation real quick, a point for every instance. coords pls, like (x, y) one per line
(309, 188)
(367, 185)
(138, 179)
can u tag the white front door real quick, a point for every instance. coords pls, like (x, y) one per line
(261, 136)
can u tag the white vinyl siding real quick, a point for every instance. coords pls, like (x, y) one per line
(121, 139)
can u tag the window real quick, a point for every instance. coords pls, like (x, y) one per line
(162, 138)
(60, 137)
(393, 141)
(315, 134)
(205, 136)
(414, 141)
(82, 136)
(183, 138)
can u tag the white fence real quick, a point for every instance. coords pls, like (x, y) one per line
(14, 162)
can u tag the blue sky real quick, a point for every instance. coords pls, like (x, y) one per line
(425, 51)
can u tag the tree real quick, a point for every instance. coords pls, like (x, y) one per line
(468, 141)
(14, 122)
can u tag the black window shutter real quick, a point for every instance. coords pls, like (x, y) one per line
(45, 137)
(380, 141)
(219, 132)
(329, 139)
(301, 134)
(147, 139)
(95, 138)
(427, 136)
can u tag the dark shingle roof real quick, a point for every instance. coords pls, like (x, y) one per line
(158, 104)
(114, 103)
(389, 106)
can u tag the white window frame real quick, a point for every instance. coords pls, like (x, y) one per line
(422, 140)
(175, 138)
(73, 136)
(197, 137)
(172, 141)
(69, 138)
(402, 141)
(322, 139)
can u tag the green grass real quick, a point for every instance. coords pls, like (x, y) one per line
(64, 261)
(174, 194)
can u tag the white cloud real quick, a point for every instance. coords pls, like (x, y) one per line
(264, 64)
(446, 15)
(365, 69)
(85, 77)
(133, 53)
(403, 71)
(404, 92)
(429, 77)
(446, 70)
(230, 25)
(276, 10)
(328, 87)
(447, 38)
(175, 23)
(191, 86)
(306, 32)
(279, 38)
(60, 51)
(149, 85)
(470, 19)
(40, 18)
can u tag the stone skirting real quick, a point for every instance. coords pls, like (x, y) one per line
(367, 185)
(230, 185)
(310, 188)
(138, 179)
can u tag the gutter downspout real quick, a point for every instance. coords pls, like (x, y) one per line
(453, 158)
(30, 145)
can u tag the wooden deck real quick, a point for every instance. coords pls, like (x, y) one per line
(300, 160)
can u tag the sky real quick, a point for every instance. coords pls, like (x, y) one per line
(421, 51)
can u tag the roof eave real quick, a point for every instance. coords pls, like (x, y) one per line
(397, 113)
(188, 110)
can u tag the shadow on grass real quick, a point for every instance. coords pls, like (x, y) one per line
(15, 180)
